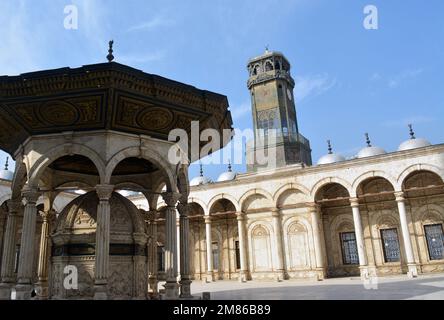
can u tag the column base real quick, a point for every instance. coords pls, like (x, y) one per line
(171, 291)
(5, 291)
(23, 291)
(209, 277)
(280, 276)
(153, 290)
(243, 276)
(42, 290)
(320, 274)
(100, 292)
(412, 270)
(185, 289)
(364, 272)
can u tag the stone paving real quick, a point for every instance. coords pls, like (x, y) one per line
(426, 287)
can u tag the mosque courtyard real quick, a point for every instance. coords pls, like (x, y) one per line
(425, 287)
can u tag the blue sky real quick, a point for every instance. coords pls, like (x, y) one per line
(349, 80)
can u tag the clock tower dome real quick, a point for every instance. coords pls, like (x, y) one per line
(274, 113)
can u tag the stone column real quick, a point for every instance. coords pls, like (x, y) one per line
(185, 271)
(243, 277)
(7, 271)
(26, 260)
(277, 226)
(412, 268)
(363, 265)
(316, 223)
(42, 289)
(178, 244)
(171, 286)
(140, 270)
(209, 241)
(101, 271)
(152, 255)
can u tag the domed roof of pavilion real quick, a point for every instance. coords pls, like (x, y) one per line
(330, 157)
(104, 96)
(370, 150)
(228, 175)
(200, 180)
(6, 174)
(413, 142)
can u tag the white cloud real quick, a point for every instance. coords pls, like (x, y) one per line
(240, 111)
(156, 22)
(396, 80)
(403, 122)
(16, 54)
(141, 58)
(312, 85)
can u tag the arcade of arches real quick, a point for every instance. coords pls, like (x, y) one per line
(367, 226)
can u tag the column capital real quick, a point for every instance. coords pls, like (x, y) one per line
(14, 206)
(171, 198)
(47, 215)
(183, 209)
(152, 215)
(400, 196)
(313, 207)
(354, 202)
(240, 216)
(30, 195)
(208, 219)
(104, 191)
(275, 212)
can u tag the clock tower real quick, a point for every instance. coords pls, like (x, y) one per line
(274, 114)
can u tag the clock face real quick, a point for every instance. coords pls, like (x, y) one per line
(289, 94)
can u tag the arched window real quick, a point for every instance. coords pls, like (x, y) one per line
(256, 69)
(297, 242)
(277, 65)
(261, 245)
(268, 66)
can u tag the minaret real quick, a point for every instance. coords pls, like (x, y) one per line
(273, 106)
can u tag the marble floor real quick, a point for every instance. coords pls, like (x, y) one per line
(425, 287)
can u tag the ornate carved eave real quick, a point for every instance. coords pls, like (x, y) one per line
(103, 96)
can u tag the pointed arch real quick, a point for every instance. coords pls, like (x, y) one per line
(318, 185)
(147, 153)
(418, 167)
(372, 174)
(223, 196)
(37, 169)
(290, 186)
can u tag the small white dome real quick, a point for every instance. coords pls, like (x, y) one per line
(199, 181)
(6, 175)
(370, 152)
(331, 158)
(227, 176)
(413, 144)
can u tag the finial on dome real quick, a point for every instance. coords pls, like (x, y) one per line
(367, 139)
(110, 56)
(330, 149)
(6, 164)
(229, 166)
(266, 48)
(201, 169)
(412, 133)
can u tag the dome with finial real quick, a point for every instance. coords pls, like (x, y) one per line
(413, 142)
(330, 157)
(228, 175)
(6, 174)
(370, 150)
(200, 180)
